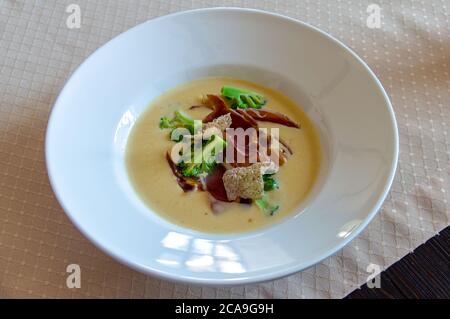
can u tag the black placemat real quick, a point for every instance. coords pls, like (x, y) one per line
(424, 273)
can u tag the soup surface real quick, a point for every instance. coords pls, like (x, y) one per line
(155, 183)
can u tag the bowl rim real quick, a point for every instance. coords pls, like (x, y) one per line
(276, 273)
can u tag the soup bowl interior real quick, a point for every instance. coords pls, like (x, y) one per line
(92, 118)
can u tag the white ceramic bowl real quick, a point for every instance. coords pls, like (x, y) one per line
(90, 122)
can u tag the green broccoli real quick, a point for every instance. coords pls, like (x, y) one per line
(269, 182)
(206, 161)
(179, 120)
(266, 207)
(242, 98)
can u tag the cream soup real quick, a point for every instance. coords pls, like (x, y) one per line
(155, 183)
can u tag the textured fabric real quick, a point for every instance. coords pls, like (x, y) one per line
(410, 53)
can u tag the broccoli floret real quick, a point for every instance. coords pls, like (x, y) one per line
(266, 207)
(193, 170)
(269, 182)
(164, 122)
(179, 120)
(242, 98)
(207, 162)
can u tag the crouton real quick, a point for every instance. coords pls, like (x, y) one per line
(222, 123)
(244, 182)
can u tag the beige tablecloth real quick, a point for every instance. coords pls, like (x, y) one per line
(410, 53)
